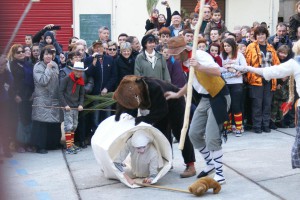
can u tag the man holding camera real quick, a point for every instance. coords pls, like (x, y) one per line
(102, 70)
(281, 37)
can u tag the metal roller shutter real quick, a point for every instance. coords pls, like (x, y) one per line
(58, 12)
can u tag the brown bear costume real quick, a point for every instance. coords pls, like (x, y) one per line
(148, 93)
(199, 187)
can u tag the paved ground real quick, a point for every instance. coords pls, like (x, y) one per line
(257, 166)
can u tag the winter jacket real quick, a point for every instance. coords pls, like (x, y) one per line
(171, 28)
(143, 67)
(67, 97)
(6, 80)
(23, 84)
(294, 24)
(46, 86)
(104, 74)
(253, 58)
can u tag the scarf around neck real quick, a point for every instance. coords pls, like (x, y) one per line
(151, 58)
(77, 81)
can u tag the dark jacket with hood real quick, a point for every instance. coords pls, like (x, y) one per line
(54, 43)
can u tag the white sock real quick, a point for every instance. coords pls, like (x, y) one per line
(207, 156)
(217, 159)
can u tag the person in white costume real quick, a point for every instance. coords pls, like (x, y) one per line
(145, 159)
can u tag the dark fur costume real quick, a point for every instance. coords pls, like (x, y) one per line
(148, 93)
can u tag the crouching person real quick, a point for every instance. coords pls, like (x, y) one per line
(145, 159)
(71, 94)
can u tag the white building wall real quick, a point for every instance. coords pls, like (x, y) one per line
(240, 12)
(128, 16)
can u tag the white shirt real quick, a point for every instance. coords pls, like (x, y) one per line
(206, 60)
(241, 61)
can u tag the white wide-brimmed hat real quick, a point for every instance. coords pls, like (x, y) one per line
(79, 66)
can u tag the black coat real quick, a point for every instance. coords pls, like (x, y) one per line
(124, 67)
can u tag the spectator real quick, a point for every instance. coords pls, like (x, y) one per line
(35, 53)
(122, 38)
(124, 63)
(103, 33)
(214, 50)
(102, 69)
(157, 20)
(83, 43)
(188, 35)
(135, 45)
(28, 40)
(151, 63)
(164, 35)
(281, 37)
(46, 132)
(112, 49)
(260, 54)
(73, 40)
(23, 86)
(230, 56)
(202, 44)
(50, 40)
(27, 53)
(206, 18)
(176, 24)
(152, 22)
(215, 36)
(215, 22)
(295, 23)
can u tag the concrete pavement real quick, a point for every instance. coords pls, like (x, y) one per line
(256, 166)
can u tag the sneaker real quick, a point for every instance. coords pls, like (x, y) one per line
(238, 133)
(71, 150)
(188, 172)
(233, 128)
(76, 148)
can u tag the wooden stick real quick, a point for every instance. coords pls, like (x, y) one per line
(190, 81)
(56, 107)
(163, 188)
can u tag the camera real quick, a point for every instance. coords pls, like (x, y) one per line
(98, 56)
(282, 40)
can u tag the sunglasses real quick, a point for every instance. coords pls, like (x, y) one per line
(19, 52)
(112, 49)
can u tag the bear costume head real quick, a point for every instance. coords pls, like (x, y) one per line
(200, 186)
(132, 93)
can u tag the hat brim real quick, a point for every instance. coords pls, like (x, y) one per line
(97, 43)
(79, 69)
(178, 50)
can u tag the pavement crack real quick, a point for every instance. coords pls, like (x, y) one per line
(71, 175)
(254, 182)
(279, 177)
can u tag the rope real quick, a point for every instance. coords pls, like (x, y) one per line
(163, 188)
(63, 108)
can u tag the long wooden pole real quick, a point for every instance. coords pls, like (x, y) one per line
(163, 188)
(190, 81)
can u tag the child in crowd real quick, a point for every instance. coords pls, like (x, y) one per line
(202, 44)
(216, 22)
(50, 40)
(242, 48)
(281, 93)
(71, 94)
(28, 40)
(214, 51)
(73, 56)
(145, 159)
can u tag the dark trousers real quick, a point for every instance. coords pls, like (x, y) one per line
(82, 131)
(174, 120)
(5, 126)
(46, 135)
(261, 97)
(236, 95)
